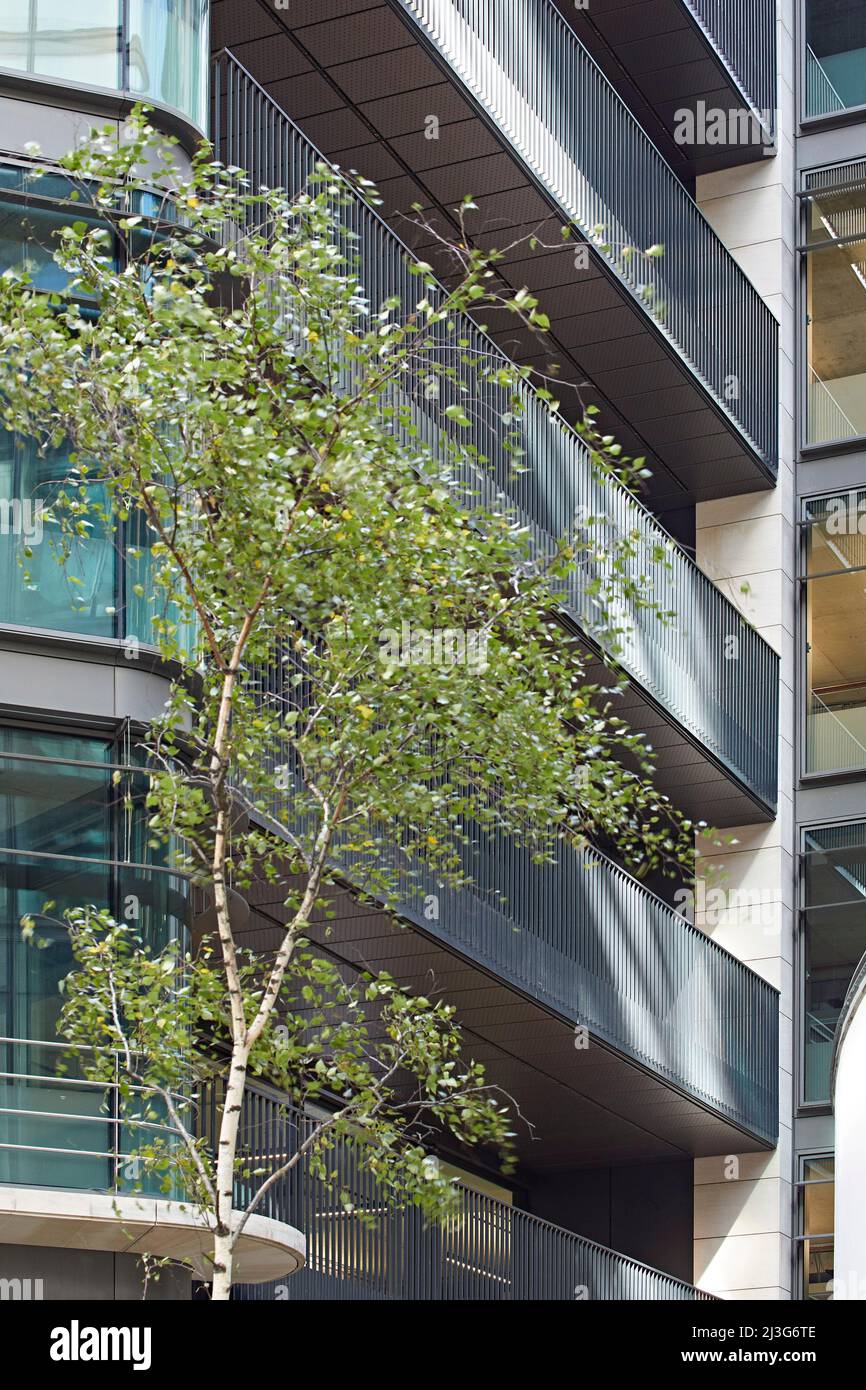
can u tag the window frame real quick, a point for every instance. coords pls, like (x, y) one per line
(799, 1242)
(825, 119)
(804, 1108)
(808, 777)
(820, 449)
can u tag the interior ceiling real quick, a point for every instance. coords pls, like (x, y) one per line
(579, 1107)
(837, 308)
(661, 63)
(837, 626)
(354, 78)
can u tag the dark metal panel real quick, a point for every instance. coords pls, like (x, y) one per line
(666, 56)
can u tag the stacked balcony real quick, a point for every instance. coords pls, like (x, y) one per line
(699, 75)
(696, 681)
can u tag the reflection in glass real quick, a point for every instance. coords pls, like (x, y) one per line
(39, 588)
(836, 307)
(63, 39)
(818, 1228)
(62, 821)
(835, 56)
(168, 46)
(834, 932)
(836, 633)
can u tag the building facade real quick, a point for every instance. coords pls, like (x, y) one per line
(673, 1048)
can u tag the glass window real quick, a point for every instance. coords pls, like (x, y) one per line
(834, 940)
(40, 585)
(166, 46)
(69, 837)
(835, 56)
(835, 632)
(69, 41)
(836, 312)
(816, 1229)
(168, 53)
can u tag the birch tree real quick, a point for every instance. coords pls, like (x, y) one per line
(216, 370)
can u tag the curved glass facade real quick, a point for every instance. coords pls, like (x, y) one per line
(103, 586)
(69, 836)
(167, 48)
(152, 48)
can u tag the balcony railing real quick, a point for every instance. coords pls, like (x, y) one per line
(708, 668)
(536, 80)
(585, 939)
(58, 1129)
(744, 34)
(484, 1250)
(63, 1131)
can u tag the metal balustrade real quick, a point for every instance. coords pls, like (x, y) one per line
(708, 668)
(59, 1129)
(584, 938)
(78, 1135)
(484, 1250)
(744, 33)
(541, 87)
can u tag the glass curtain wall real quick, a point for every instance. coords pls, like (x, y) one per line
(835, 255)
(834, 592)
(151, 48)
(833, 942)
(816, 1194)
(70, 836)
(98, 586)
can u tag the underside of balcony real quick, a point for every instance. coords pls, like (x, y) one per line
(676, 70)
(367, 88)
(587, 1101)
(686, 691)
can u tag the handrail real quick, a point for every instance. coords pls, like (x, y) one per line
(485, 1249)
(686, 665)
(822, 99)
(744, 34)
(826, 418)
(518, 64)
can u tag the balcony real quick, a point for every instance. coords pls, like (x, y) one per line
(677, 59)
(146, 50)
(485, 1250)
(68, 1177)
(434, 99)
(697, 682)
(681, 1038)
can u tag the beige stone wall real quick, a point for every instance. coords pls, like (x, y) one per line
(747, 546)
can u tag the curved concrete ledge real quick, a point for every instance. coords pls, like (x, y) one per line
(102, 103)
(143, 1226)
